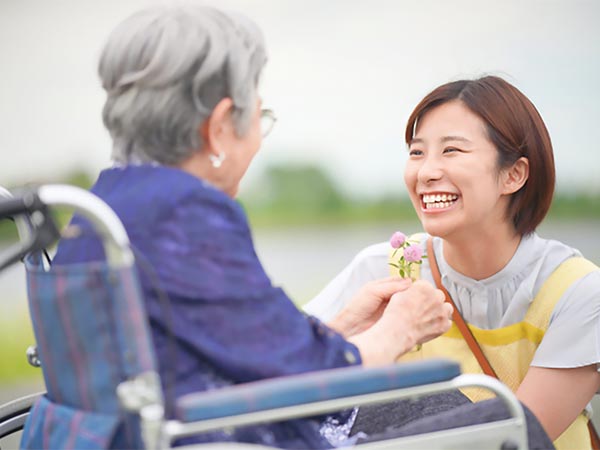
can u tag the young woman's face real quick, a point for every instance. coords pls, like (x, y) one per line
(452, 174)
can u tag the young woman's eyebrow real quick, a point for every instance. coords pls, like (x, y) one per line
(455, 138)
(444, 140)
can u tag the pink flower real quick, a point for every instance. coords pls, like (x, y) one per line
(397, 239)
(413, 253)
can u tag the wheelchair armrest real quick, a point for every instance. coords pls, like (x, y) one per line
(311, 387)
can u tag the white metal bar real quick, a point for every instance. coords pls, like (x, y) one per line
(105, 221)
(497, 387)
(13, 424)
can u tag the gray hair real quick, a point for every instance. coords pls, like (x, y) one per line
(164, 70)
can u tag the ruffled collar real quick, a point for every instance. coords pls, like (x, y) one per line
(523, 257)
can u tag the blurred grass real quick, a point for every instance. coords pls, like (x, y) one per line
(355, 212)
(15, 336)
(575, 206)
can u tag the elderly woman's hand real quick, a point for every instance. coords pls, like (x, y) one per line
(412, 316)
(367, 306)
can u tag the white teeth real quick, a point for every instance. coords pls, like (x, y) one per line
(439, 200)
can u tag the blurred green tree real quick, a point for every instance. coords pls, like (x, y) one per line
(306, 187)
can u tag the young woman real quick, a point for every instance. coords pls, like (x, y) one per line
(480, 175)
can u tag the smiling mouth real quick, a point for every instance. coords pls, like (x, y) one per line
(438, 201)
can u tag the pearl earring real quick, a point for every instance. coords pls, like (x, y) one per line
(217, 160)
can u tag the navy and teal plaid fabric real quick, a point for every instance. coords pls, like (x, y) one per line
(55, 426)
(92, 333)
(228, 323)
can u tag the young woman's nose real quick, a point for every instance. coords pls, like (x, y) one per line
(430, 170)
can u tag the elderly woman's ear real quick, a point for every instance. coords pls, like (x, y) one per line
(217, 131)
(215, 134)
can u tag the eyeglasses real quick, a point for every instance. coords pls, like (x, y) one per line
(267, 121)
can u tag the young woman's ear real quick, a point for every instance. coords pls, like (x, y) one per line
(217, 128)
(515, 176)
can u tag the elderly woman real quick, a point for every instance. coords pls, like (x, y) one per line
(185, 118)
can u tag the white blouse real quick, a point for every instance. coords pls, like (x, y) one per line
(573, 336)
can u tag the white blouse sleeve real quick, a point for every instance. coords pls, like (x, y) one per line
(369, 264)
(573, 336)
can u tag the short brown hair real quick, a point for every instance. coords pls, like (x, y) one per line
(517, 130)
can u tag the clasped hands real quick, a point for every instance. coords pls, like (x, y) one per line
(388, 317)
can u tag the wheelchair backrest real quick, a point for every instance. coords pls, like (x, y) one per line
(92, 334)
(91, 331)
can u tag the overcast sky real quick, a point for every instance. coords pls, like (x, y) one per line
(343, 76)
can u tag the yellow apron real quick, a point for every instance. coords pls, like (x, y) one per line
(510, 349)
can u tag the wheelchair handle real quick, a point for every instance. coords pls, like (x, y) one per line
(22, 222)
(41, 229)
(15, 206)
(30, 210)
(105, 221)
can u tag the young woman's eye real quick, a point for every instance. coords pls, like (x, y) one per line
(415, 152)
(451, 150)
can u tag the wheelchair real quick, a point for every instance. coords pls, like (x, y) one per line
(100, 383)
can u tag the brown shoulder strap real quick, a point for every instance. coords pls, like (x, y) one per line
(456, 315)
(594, 436)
